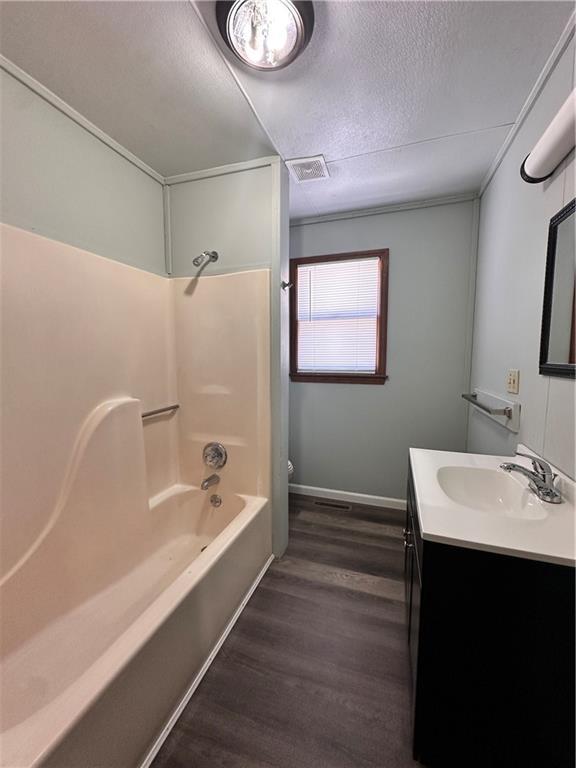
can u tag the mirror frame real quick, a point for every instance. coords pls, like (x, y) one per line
(566, 370)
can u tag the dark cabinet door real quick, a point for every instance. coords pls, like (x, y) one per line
(413, 581)
(414, 621)
(408, 570)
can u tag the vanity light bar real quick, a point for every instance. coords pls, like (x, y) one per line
(554, 145)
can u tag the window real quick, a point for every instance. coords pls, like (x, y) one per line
(338, 307)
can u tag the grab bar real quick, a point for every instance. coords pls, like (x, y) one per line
(158, 411)
(473, 398)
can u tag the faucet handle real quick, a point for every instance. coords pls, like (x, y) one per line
(214, 455)
(540, 466)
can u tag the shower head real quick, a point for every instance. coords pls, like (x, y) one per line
(204, 258)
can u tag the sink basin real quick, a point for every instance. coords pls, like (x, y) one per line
(466, 500)
(491, 491)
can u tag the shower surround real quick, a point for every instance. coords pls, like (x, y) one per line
(118, 578)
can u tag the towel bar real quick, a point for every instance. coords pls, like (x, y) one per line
(158, 411)
(473, 398)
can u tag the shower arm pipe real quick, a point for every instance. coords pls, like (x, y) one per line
(158, 411)
(205, 258)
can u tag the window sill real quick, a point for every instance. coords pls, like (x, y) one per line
(339, 378)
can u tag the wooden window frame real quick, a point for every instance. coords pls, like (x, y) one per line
(379, 376)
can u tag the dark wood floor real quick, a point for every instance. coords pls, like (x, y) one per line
(315, 673)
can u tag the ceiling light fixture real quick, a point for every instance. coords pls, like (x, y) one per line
(265, 34)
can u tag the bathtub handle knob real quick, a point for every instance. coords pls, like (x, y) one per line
(214, 455)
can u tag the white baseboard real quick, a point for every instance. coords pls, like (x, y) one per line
(197, 680)
(352, 498)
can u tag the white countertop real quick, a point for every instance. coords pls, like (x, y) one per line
(538, 531)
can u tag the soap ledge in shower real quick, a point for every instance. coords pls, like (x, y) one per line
(178, 489)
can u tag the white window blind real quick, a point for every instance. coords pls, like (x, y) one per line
(337, 306)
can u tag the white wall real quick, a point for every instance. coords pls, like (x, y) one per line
(222, 329)
(77, 330)
(355, 437)
(514, 218)
(60, 181)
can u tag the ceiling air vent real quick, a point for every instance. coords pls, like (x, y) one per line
(308, 168)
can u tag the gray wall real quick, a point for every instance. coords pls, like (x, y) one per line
(60, 181)
(356, 437)
(280, 358)
(514, 219)
(230, 214)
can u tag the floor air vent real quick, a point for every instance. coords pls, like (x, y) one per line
(333, 505)
(308, 168)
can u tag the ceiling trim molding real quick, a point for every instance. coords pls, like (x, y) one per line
(563, 42)
(429, 203)
(59, 104)
(223, 170)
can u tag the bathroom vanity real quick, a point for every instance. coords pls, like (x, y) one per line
(490, 611)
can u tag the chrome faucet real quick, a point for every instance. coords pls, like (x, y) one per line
(209, 482)
(541, 477)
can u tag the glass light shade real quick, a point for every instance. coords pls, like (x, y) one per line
(265, 34)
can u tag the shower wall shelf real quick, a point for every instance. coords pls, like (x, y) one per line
(503, 412)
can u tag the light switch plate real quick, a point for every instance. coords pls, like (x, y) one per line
(513, 381)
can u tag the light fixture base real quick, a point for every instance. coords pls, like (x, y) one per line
(258, 44)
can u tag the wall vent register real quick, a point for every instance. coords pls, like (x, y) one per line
(338, 313)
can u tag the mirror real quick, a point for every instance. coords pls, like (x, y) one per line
(557, 344)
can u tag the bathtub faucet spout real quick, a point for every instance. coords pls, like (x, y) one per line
(209, 482)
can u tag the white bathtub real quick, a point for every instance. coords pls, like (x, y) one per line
(92, 675)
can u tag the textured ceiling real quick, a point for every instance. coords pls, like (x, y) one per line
(146, 73)
(439, 168)
(406, 100)
(436, 85)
